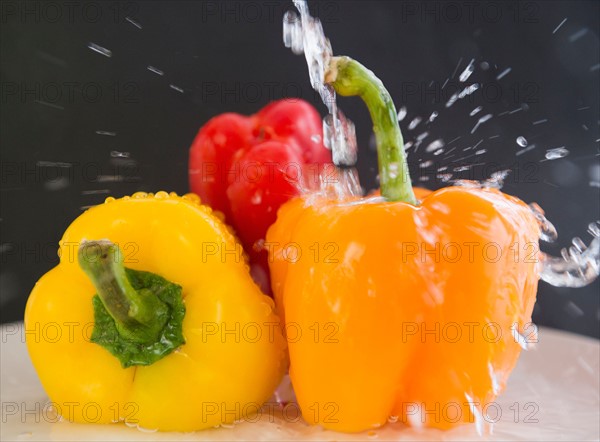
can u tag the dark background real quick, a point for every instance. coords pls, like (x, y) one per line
(57, 93)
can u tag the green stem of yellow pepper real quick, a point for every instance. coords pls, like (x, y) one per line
(349, 78)
(137, 315)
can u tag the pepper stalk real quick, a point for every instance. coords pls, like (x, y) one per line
(350, 78)
(137, 315)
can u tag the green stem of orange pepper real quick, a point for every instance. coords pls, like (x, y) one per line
(350, 78)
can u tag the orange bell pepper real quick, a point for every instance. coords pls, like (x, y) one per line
(400, 308)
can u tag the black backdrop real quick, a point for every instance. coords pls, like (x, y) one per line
(57, 94)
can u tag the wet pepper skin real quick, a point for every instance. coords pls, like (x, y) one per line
(248, 166)
(378, 300)
(190, 388)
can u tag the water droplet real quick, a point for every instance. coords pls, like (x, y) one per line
(256, 198)
(445, 177)
(414, 123)
(556, 153)
(463, 169)
(402, 113)
(434, 145)
(503, 74)
(468, 90)
(100, 50)
(117, 154)
(475, 111)
(433, 116)
(421, 137)
(464, 76)
(559, 25)
(155, 70)
(481, 121)
(547, 230)
(425, 164)
(521, 141)
(315, 138)
(195, 199)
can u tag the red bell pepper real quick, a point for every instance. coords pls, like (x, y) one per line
(247, 167)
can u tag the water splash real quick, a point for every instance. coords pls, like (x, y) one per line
(496, 180)
(578, 266)
(547, 230)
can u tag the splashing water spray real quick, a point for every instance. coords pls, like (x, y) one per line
(578, 266)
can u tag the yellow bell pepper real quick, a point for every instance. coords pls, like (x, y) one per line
(152, 318)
